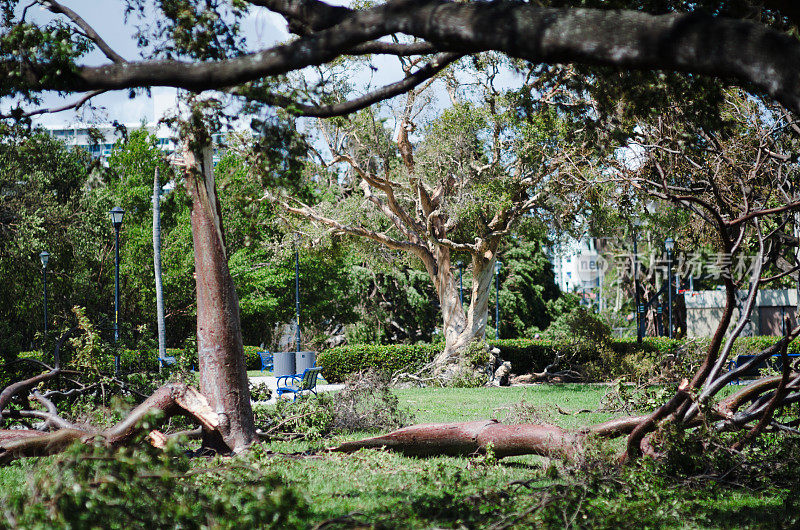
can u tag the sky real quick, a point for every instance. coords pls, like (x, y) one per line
(262, 29)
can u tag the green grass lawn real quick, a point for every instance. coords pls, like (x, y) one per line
(376, 489)
(435, 405)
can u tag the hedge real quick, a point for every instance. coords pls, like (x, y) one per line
(611, 359)
(147, 360)
(337, 363)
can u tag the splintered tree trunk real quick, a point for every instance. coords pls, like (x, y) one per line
(223, 375)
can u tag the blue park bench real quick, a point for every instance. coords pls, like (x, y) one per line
(267, 360)
(773, 361)
(299, 383)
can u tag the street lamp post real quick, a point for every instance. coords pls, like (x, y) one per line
(460, 265)
(116, 214)
(639, 310)
(497, 265)
(44, 256)
(297, 296)
(669, 244)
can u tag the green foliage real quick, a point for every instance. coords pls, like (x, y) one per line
(366, 404)
(144, 487)
(41, 188)
(528, 292)
(89, 347)
(260, 391)
(581, 325)
(337, 363)
(395, 306)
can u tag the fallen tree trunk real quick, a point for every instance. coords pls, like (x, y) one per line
(473, 437)
(480, 437)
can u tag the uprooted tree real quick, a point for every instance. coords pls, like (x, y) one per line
(198, 46)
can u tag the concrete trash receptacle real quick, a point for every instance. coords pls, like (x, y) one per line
(283, 363)
(304, 360)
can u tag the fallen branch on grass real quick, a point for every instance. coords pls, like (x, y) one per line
(171, 399)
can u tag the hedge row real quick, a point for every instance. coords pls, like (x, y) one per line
(337, 363)
(610, 359)
(147, 360)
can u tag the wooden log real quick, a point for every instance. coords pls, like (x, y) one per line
(474, 437)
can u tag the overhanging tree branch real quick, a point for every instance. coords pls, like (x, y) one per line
(437, 64)
(739, 49)
(88, 30)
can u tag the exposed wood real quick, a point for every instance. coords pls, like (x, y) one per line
(169, 400)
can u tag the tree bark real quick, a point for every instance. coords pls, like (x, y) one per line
(473, 437)
(460, 327)
(223, 374)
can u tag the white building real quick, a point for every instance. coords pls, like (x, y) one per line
(579, 268)
(99, 139)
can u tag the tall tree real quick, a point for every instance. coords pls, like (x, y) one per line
(477, 171)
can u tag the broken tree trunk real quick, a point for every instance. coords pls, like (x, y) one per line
(223, 374)
(473, 437)
(171, 399)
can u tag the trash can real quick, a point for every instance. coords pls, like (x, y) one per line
(283, 363)
(304, 360)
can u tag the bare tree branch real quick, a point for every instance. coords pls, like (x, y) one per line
(436, 65)
(88, 30)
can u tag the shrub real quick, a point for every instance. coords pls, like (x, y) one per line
(365, 404)
(143, 487)
(606, 360)
(338, 363)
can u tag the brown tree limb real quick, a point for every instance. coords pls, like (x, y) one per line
(473, 437)
(54, 110)
(766, 416)
(23, 386)
(740, 49)
(437, 64)
(170, 399)
(87, 30)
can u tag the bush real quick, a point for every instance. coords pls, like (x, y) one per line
(139, 486)
(365, 404)
(338, 363)
(606, 360)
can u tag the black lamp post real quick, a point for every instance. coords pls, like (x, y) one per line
(45, 257)
(460, 265)
(116, 214)
(669, 244)
(497, 265)
(297, 296)
(639, 307)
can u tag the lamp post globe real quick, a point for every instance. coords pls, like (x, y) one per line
(116, 215)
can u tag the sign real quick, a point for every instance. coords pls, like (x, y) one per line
(590, 266)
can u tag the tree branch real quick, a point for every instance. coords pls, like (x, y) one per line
(740, 49)
(437, 64)
(88, 30)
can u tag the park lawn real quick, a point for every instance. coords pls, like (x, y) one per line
(379, 489)
(385, 490)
